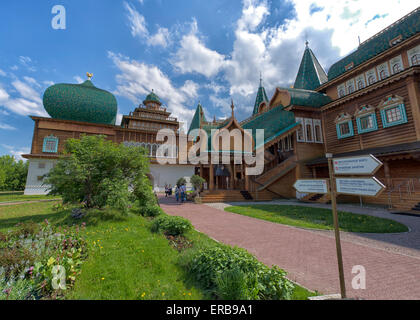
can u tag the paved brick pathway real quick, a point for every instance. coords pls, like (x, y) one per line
(308, 257)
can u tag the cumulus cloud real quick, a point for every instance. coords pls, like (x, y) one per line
(138, 27)
(2, 73)
(27, 101)
(17, 152)
(4, 126)
(194, 57)
(137, 79)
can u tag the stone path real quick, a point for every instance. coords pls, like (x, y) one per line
(310, 256)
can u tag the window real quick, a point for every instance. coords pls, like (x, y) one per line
(371, 77)
(318, 131)
(366, 119)
(350, 89)
(360, 85)
(344, 126)
(50, 144)
(300, 133)
(341, 89)
(371, 80)
(393, 111)
(415, 59)
(383, 74)
(286, 144)
(309, 136)
(396, 68)
(383, 71)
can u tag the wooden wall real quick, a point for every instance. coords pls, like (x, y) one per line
(383, 136)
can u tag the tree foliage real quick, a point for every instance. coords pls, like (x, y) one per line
(12, 174)
(197, 182)
(100, 173)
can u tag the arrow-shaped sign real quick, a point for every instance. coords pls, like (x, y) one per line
(370, 187)
(311, 186)
(361, 165)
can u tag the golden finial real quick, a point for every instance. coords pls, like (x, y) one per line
(89, 75)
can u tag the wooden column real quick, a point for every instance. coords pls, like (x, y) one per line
(388, 178)
(314, 172)
(414, 97)
(211, 178)
(232, 177)
(246, 179)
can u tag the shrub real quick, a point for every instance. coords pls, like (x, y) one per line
(197, 182)
(26, 229)
(207, 266)
(171, 226)
(181, 181)
(233, 285)
(151, 211)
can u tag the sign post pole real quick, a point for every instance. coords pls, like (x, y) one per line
(333, 193)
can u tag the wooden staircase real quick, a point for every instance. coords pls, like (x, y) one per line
(219, 196)
(273, 175)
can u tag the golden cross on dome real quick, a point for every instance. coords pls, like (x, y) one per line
(89, 75)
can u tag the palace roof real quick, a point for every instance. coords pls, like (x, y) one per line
(152, 97)
(306, 98)
(311, 75)
(395, 33)
(80, 102)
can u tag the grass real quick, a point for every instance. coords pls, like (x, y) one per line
(316, 218)
(22, 198)
(126, 261)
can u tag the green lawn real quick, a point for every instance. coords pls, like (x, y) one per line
(20, 197)
(316, 218)
(125, 259)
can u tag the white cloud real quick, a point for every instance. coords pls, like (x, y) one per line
(32, 81)
(78, 79)
(17, 152)
(190, 88)
(2, 73)
(137, 21)
(137, 79)
(119, 119)
(28, 101)
(4, 126)
(194, 57)
(161, 38)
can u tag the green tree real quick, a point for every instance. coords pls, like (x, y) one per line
(99, 173)
(181, 181)
(12, 174)
(197, 183)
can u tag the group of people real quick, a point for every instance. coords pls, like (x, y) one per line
(180, 192)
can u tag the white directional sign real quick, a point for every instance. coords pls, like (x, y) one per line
(362, 165)
(369, 187)
(311, 186)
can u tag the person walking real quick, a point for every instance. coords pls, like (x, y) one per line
(177, 193)
(183, 189)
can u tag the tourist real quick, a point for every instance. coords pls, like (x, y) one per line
(177, 193)
(183, 192)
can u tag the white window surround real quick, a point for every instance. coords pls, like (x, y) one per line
(318, 123)
(396, 61)
(411, 53)
(383, 71)
(369, 74)
(341, 90)
(309, 130)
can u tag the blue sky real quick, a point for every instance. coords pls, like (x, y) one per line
(187, 51)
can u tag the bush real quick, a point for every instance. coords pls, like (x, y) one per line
(151, 211)
(171, 226)
(181, 181)
(207, 267)
(197, 183)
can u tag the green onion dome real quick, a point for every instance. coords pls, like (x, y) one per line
(80, 102)
(152, 97)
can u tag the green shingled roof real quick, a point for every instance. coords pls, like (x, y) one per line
(261, 97)
(406, 27)
(152, 97)
(274, 122)
(197, 119)
(311, 74)
(307, 98)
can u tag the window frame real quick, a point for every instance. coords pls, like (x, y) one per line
(48, 139)
(318, 123)
(371, 115)
(389, 103)
(302, 122)
(309, 122)
(341, 120)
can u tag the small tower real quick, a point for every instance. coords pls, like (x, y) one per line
(311, 75)
(261, 97)
(152, 101)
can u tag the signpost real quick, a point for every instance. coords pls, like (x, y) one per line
(369, 187)
(362, 165)
(311, 186)
(364, 186)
